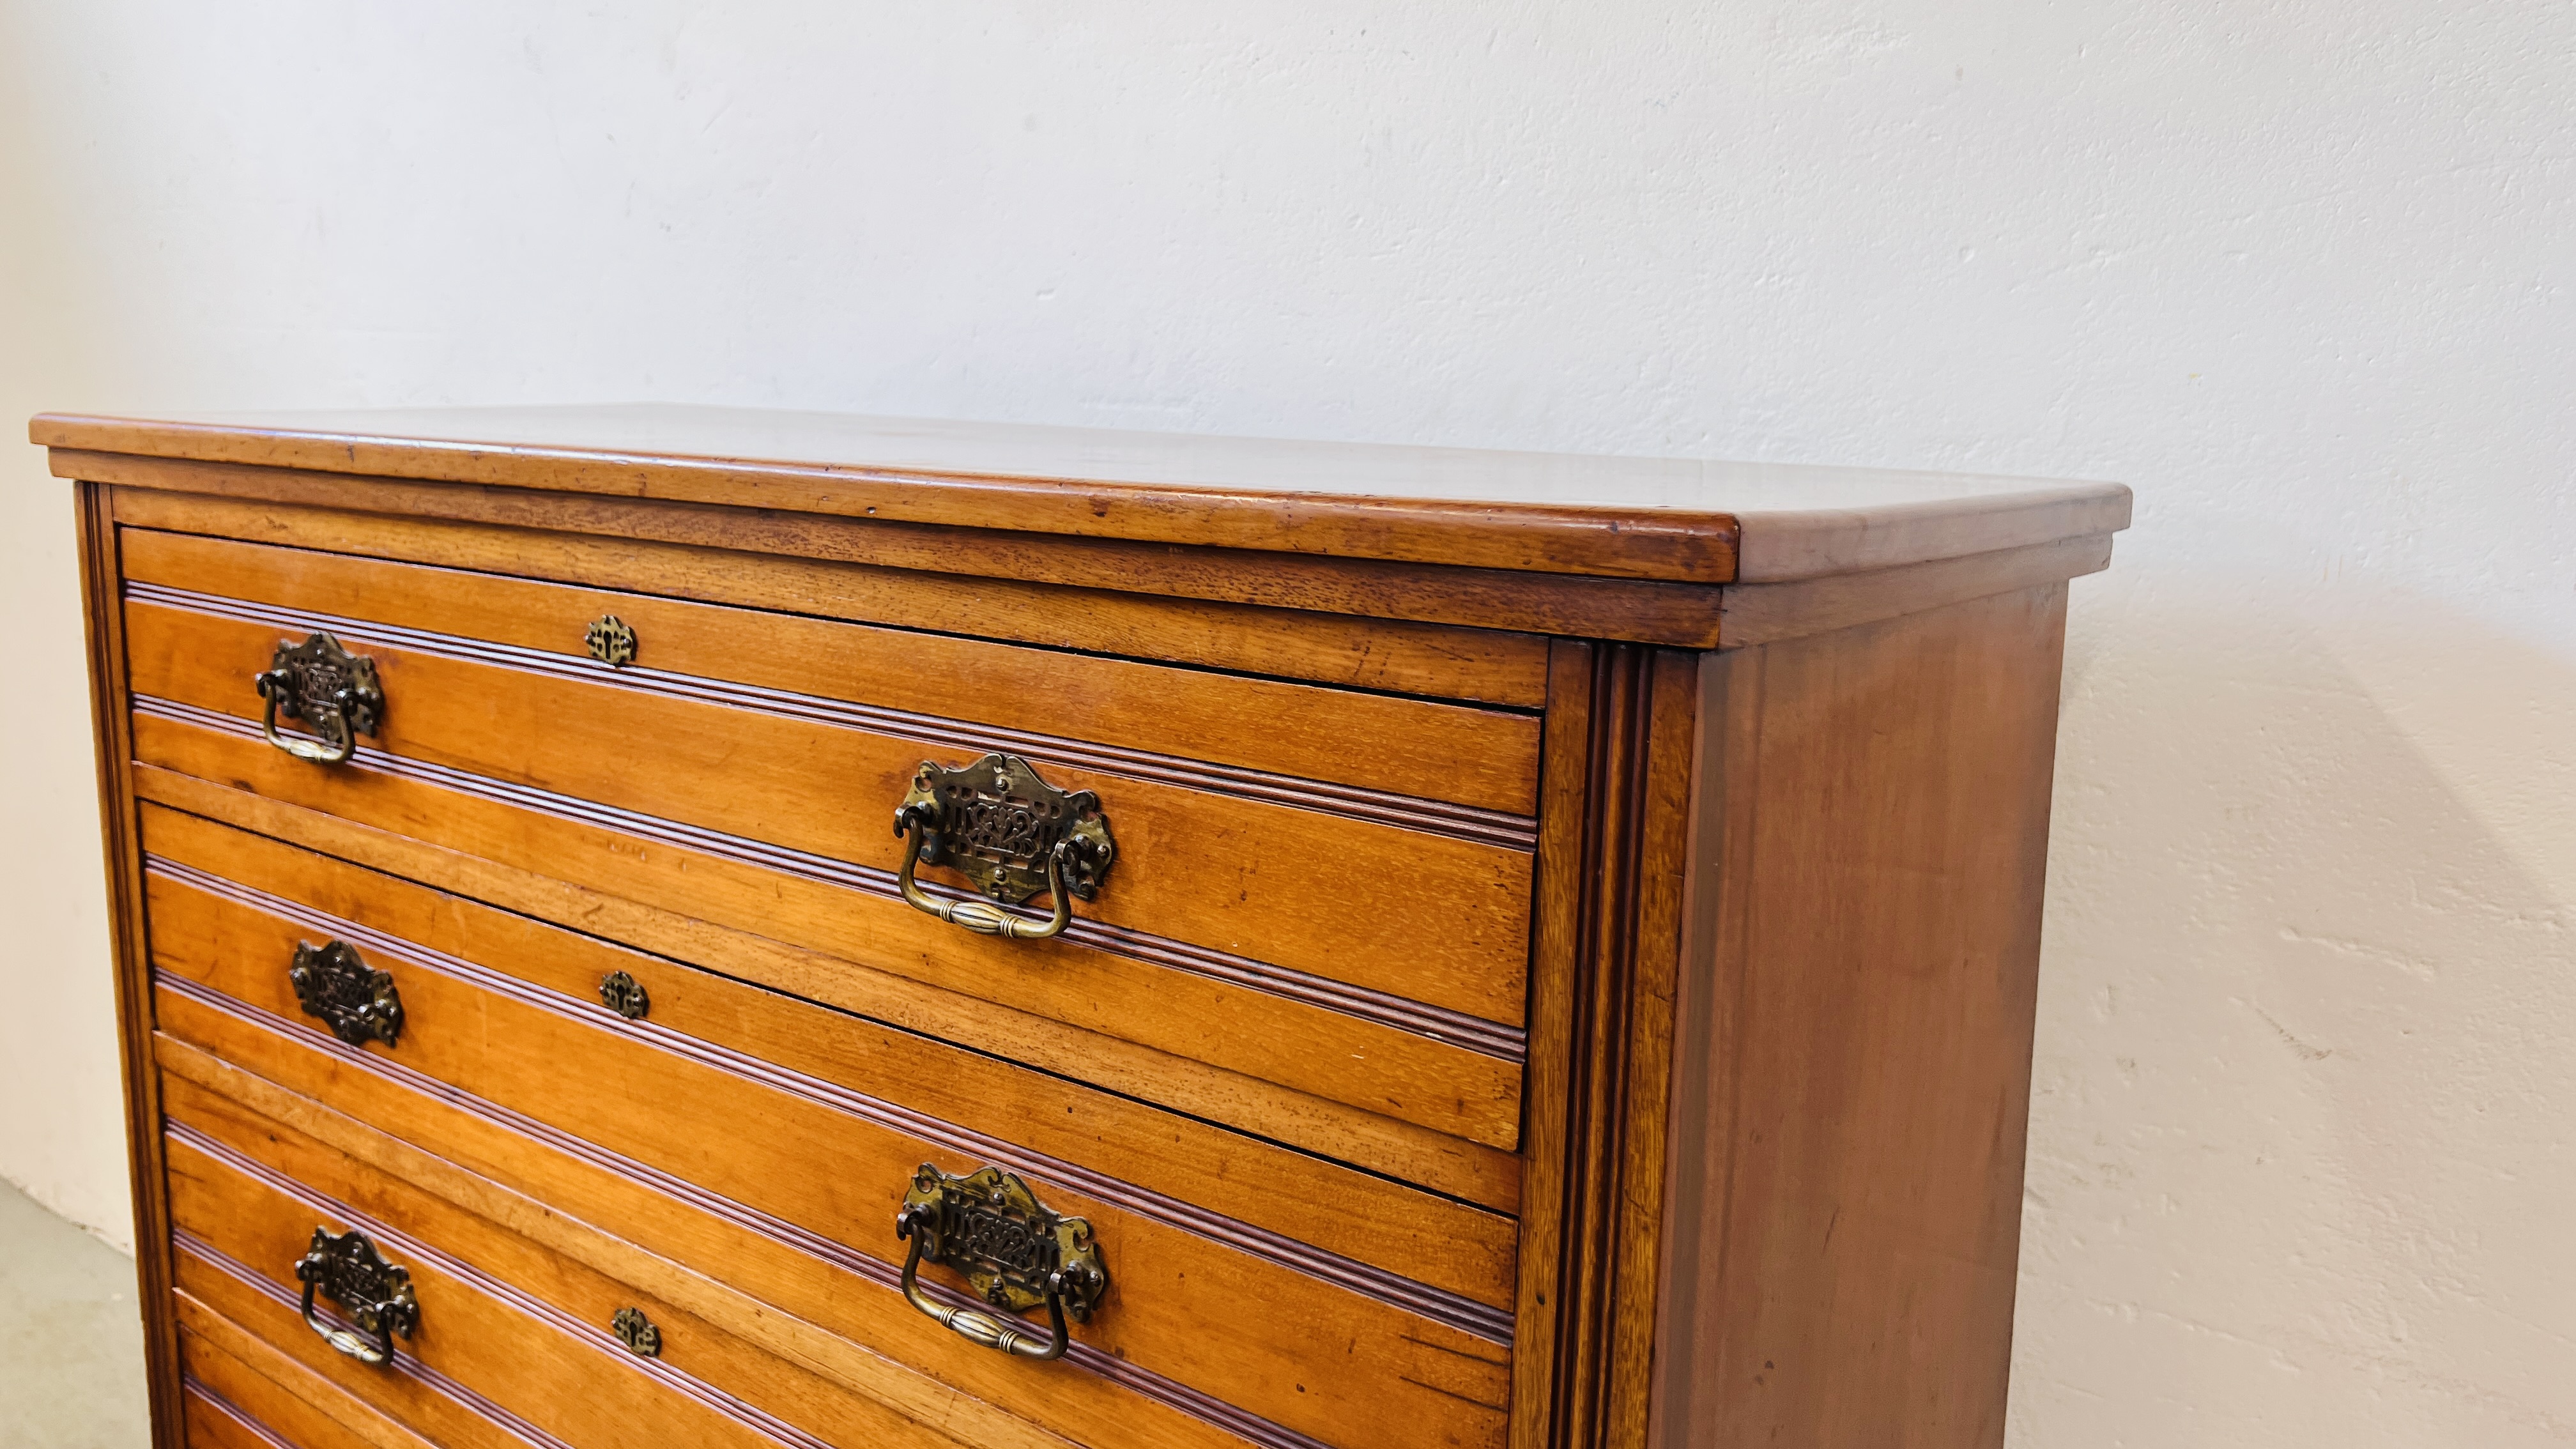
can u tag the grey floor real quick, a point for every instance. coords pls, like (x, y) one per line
(71, 1343)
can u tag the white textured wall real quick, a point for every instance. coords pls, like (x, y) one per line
(2297, 269)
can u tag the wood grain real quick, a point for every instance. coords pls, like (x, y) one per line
(1411, 1234)
(930, 735)
(1381, 1071)
(265, 1308)
(1477, 757)
(473, 1332)
(1615, 866)
(1423, 917)
(1311, 514)
(1481, 598)
(1744, 1044)
(128, 935)
(229, 1366)
(204, 1078)
(1176, 1301)
(1853, 1095)
(1482, 1175)
(1382, 654)
(213, 1426)
(1769, 613)
(1676, 518)
(1092, 1397)
(697, 1360)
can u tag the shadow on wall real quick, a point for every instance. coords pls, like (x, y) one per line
(2307, 1026)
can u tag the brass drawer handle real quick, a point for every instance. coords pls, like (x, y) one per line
(375, 1294)
(358, 1002)
(1014, 1253)
(328, 688)
(1011, 834)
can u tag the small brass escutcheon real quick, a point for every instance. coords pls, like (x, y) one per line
(332, 690)
(611, 641)
(1014, 1253)
(358, 1002)
(637, 1332)
(376, 1295)
(625, 995)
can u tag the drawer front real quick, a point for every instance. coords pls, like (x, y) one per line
(806, 1125)
(1412, 748)
(241, 1393)
(1398, 1150)
(1362, 651)
(510, 1343)
(1327, 936)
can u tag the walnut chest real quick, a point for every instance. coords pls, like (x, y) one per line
(673, 926)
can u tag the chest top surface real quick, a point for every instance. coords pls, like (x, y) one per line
(1674, 519)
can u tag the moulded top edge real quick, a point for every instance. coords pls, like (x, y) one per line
(1676, 519)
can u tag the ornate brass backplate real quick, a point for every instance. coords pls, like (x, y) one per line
(332, 690)
(376, 1295)
(1014, 1253)
(625, 995)
(996, 823)
(611, 641)
(637, 1332)
(358, 1002)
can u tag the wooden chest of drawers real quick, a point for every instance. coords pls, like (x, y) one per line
(665, 926)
